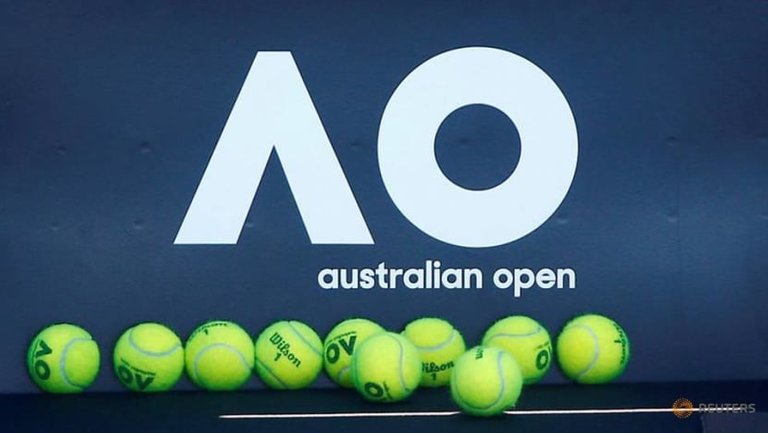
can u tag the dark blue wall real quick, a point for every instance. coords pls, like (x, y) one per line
(109, 114)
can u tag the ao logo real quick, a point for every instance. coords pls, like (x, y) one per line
(275, 111)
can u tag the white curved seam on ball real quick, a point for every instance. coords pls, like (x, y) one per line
(402, 364)
(354, 373)
(596, 354)
(512, 335)
(501, 390)
(150, 353)
(224, 345)
(438, 346)
(341, 372)
(271, 373)
(295, 331)
(63, 360)
(500, 370)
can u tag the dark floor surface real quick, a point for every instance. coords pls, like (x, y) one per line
(191, 412)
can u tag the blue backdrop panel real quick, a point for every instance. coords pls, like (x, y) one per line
(109, 115)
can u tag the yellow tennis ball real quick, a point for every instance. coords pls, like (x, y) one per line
(592, 349)
(439, 344)
(148, 358)
(526, 340)
(288, 355)
(386, 367)
(340, 344)
(63, 358)
(219, 356)
(486, 381)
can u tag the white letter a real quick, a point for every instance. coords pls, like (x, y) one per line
(273, 110)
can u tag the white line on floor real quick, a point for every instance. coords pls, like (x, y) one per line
(451, 413)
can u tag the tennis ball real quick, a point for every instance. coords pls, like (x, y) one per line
(288, 355)
(63, 359)
(219, 356)
(148, 358)
(486, 381)
(526, 340)
(340, 344)
(592, 349)
(439, 345)
(386, 367)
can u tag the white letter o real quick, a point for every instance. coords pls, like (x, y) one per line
(548, 147)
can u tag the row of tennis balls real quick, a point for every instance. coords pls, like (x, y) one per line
(220, 355)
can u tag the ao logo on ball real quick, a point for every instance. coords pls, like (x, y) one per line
(142, 381)
(333, 350)
(275, 111)
(41, 368)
